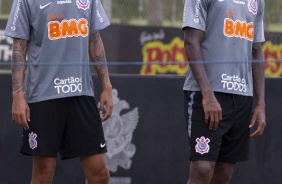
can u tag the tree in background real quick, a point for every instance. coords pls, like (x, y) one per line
(5, 7)
(124, 11)
(155, 12)
(273, 11)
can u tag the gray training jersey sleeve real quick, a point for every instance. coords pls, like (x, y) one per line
(259, 26)
(18, 25)
(195, 14)
(99, 18)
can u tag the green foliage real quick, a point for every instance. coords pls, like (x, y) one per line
(273, 8)
(125, 10)
(6, 6)
(167, 9)
(128, 11)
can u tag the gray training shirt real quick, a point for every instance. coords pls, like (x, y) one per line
(231, 27)
(58, 38)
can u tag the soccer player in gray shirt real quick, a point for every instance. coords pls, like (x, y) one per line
(223, 45)
(53, 92)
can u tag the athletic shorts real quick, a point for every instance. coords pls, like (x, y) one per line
(230, 142)
(70, 126)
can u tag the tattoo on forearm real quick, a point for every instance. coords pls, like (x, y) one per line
(97, 54)
(18, 64)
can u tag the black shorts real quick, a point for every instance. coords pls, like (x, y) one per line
(230, 142)
(71, 126)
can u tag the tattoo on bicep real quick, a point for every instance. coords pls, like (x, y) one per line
(18, 64)
(97, 54)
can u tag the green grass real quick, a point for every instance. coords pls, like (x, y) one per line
(275, 27)
(5, 71)
(4, 16)
(144, 22)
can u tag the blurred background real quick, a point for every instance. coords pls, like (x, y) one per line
(145, 37)
(160, 12)
(145, 44)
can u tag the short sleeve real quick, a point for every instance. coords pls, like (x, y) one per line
(18, 25)
(258, 24)
(195, 14)
(99, 19)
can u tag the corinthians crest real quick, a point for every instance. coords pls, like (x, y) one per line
(118, 132)
(83, 4)
(253, 6)
(202, 145)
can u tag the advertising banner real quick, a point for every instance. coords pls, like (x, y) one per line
(152, 50)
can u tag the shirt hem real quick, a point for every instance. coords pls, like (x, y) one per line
(195, 27)
(100, 28)
(8, 34)
(57, 97)
(221, 91)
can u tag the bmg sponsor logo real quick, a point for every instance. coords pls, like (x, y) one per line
(68, 85)
(233, 83)
(238, 29)
(67, 29)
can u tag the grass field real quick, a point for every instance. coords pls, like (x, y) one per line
(5, 71)
(275, 27)
(4, 16)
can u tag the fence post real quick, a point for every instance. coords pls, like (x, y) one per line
(140, 11)
(155, 13)
(173, 12)
(1, 6)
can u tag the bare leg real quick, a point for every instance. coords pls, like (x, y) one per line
(222, 173)
(201, 172)
(96, 169)
(43, 170)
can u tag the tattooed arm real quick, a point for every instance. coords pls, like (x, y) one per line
(192, 41)
(97, 54)
(20, 109)
(258, 82)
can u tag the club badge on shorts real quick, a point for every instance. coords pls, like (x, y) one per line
(32, 140)
(83, 4)
(253, 6)
(202, 145)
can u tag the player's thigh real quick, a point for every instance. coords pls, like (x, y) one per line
(94, 164)
(222, 172)
(43, 165)
(201, 171)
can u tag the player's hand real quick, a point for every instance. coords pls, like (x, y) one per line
(106, 104)
(258, 116)
(212, 109)
(20, 110)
